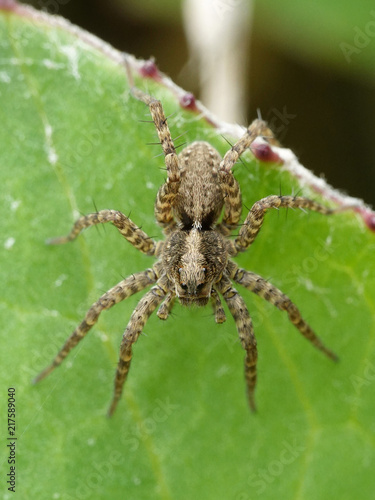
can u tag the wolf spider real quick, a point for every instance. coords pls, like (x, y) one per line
(194, 261)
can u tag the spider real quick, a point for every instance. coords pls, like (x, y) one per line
(198, 207)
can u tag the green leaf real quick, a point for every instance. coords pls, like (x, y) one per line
(72, 140)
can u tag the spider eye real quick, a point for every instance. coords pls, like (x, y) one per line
(183, 286)
(200, 286)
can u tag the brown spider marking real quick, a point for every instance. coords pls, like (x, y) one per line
(194, 261)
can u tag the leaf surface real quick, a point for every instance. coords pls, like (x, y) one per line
(72, 140)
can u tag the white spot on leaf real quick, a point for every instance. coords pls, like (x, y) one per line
(4, 77)
(15, 204)
(72, 55)
(51, 152)
(60, 280)
(9, 243)
(52, 64)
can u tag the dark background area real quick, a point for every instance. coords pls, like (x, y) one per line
(331, 105)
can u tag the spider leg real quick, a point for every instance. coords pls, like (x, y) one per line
(166, 306)
(232, 202)
(255, 217)
(256, 129)
(163, 206)
(217, 307)
(121, 291)
(166, 194)
(160, 121)
(264, 289)
(238, 309)
(137, 321)
(127, 228)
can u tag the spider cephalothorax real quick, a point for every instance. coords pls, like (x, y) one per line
(194, 261)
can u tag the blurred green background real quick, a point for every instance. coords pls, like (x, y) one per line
(310, 69)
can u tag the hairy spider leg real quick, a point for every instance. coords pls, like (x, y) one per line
(138, 238)
(168, 191)
(232, 203)
(267, 291)
(166, 306)
(163, 209)
(119, 292)
(238, 309)
(254, 220)
(217, 307)
(258, 128)
(229, 185)
(137, 321)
